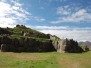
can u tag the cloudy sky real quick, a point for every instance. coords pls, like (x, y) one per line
(64, 18)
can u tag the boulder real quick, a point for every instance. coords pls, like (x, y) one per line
(4, 48)
(66, 45)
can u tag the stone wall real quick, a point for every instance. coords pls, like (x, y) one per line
(65, 45)
(32, 45)
(25, 45)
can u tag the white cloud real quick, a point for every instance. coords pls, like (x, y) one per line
(66, 14)
(49, 27)
(78, 35)
(38, 19)
(63, 10)
(12, 13)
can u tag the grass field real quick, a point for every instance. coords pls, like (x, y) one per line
(45, 60)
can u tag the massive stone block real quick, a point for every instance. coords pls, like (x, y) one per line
(65, 45)
(25, 45)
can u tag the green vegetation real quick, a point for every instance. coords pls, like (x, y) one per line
(20, 30)
(45, 60)
(37, 39)
(27, 60)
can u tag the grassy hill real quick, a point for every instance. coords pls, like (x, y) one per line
(24, 39)
(22, 31)
(45, 60)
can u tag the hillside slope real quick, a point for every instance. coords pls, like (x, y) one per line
(23, 39)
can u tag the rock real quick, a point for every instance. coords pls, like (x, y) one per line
(7, 48)
(5, 40)
(66, 45)
(30, 40)
(32, 45)
(3, 48)
(85, 48)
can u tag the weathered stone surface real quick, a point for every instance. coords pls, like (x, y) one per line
(25, 45)
(5, 40)
(66, 45)
(85, 48)
(7, 48)
(4, 31)
(3, 48)
(32, 45)
(23, 39)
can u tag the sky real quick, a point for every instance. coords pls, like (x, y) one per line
(64, 18)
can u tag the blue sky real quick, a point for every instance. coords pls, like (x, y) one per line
(64, 18)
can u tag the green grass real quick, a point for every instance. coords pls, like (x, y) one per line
(37, 39)
(18, 29)
(45, 60)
